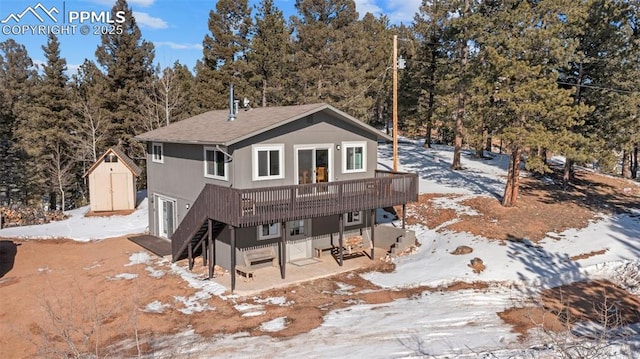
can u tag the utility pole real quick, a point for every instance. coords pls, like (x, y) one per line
(395, 103)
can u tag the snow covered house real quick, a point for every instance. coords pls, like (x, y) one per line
(112, 182)
(267, 186)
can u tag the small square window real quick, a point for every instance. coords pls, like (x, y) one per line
(269, 231)
(296, 228)
(352, 218)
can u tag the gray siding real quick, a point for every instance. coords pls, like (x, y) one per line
(318, 129)
(181, 176)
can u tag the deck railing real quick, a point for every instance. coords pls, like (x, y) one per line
(255, 206)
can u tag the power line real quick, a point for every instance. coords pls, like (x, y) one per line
(599, 87)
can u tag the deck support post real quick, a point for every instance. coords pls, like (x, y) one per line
(404, 214)
(205, 251)
(233, 258)
(282, 253)
(190, 255)
(210, 247)
(373, 231)
(341, 239)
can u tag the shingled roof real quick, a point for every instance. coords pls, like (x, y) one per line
(214, 128)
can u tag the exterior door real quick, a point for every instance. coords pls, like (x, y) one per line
(166, 217)
(299, 250)
(314, 164)
(119, 191)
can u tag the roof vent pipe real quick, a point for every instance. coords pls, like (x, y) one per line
(232, 112)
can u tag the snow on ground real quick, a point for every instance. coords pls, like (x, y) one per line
(84, 229)
(442, 324)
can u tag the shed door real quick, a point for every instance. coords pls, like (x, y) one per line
(119, 191)
(100, 192)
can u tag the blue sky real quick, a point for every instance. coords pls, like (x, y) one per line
(177, 28)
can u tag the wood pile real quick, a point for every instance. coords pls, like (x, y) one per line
(353, 244)
(20, 215)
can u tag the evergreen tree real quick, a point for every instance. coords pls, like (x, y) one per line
(224, 55)
(369, 53)
(47, 125)
(17, 80)
(127, 60)
(269, 53)
(525, 47)
(431, 27)
(325, 32)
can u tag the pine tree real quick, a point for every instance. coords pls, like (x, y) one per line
(525, 47)
(323, 70)
(269, 53)
(127, 60)
(431, 25)
(17, 80)
(224, 55)
(47, 125)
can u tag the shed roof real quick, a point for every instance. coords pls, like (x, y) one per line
(128, 162)
(214, 127)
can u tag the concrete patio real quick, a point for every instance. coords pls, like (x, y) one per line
(269, 277)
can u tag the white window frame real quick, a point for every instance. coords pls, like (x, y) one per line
(258, 148)
(354, 144)
(226, 164)
(276, 234)
(353, 222)
(154, 154)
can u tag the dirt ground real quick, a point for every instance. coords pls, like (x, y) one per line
(62, 297)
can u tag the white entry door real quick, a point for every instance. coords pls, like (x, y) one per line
(166, 216)
(298, 250)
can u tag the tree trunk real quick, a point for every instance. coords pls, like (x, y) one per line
(513, 179)
(463, 53)
(625, 164)
(634, 162)
(431, 102)
(52, 200)
(488, 146)
(264, 93)
(567, 173)
(480, 143)
(427, 137)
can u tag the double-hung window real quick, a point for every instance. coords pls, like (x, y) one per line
(268, 162)
(354, 157)
(215, 165)
(157, 154)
